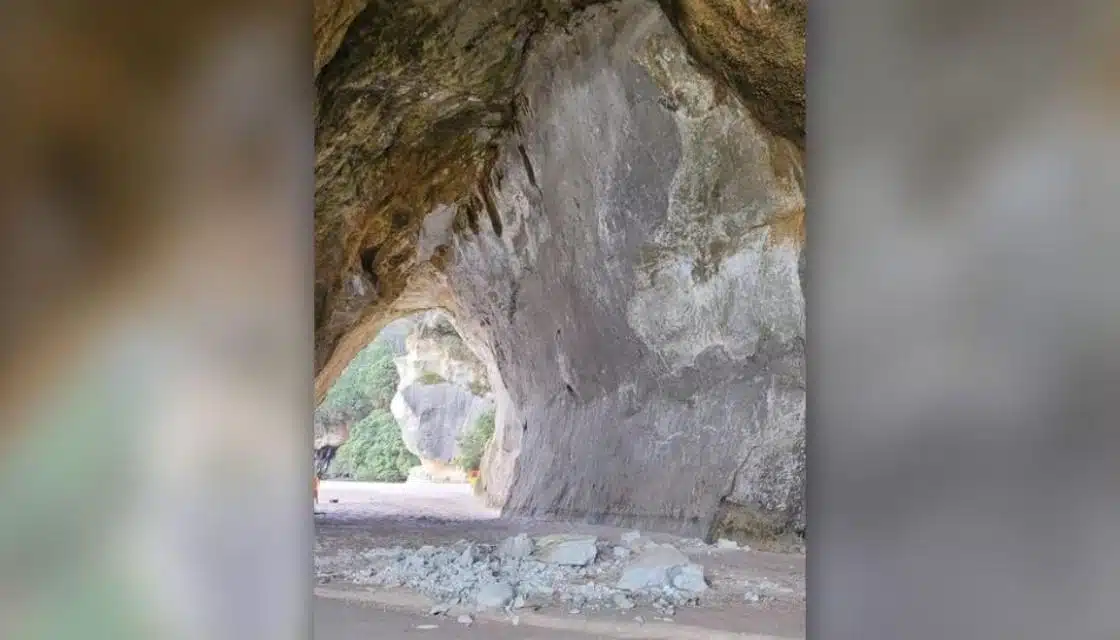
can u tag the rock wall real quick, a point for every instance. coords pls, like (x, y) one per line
(642, 296)
(608, 200)
(443, 390)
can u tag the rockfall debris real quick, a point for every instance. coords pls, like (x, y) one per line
(579, 572)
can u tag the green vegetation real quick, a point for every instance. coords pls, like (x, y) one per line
(480, 387)
(431, 377)
(368, 383)
(473, 442)
(360, 399)
(374, 451)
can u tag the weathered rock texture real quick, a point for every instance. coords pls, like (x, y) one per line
(443, 390)
(613, 215)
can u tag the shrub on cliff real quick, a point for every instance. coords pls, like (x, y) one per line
(473, 441)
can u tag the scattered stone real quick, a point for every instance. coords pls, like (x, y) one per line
(427, 627)
(689, 577)
(639, 619)
(631, 537)
(494, 595)
(574, 612)
(466, 619)
(494, 577)
(515, 620)
(567, 549)
(752, 597)
(334, 500)
(519, 546)
(651, 568)
(724, 543)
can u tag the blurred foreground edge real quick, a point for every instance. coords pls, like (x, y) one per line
(964, 320)
(155, 216)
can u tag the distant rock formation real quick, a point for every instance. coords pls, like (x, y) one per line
(443, 391)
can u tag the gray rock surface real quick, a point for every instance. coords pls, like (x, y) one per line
(494, 595)
(443, 388)
(519, 546)
(652, 568)
(642, 303)
(573, 550)
(432, 417)
(689, 577)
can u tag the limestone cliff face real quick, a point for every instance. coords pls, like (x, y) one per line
(443, 390)
(608, 199)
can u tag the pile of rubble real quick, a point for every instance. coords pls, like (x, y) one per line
(577, 571)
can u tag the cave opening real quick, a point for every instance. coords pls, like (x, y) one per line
(414, 407)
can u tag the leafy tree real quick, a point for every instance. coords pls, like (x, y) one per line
(375, 451)
(368, 383)
(360, 398)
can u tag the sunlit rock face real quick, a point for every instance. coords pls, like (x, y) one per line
(443, 390)
(613, 215)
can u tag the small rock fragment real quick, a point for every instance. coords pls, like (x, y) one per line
(651, 568)
(639, 619)
(466, 619)
(689, 577)
(519, 546)
(724, 543)
(494, 595)
(565, 549)
(622, 602)
(621, 553)
(427, 627)
(439, 609)
(630, 537)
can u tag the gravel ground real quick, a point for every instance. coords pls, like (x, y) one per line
(439, 542)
